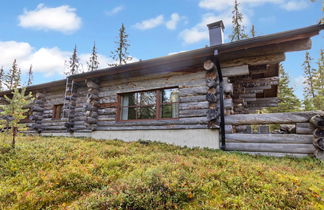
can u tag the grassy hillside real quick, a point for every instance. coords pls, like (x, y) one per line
(80, 173)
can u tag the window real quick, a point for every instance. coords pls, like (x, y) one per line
(57, 111)
(155, 104)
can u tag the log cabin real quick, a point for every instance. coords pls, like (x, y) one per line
(182, 99)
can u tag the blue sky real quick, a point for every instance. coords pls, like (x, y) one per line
(43, 33)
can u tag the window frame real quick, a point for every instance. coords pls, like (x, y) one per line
(158, 104)
(55, 112)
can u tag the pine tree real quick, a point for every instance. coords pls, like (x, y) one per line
(93, 62)
(15, 111)
(12, 78)
(238, 31)
(30, 75)
(73, 63)
(1, 78)
(309, 90)
(288, 102)
(319, 83)
(120, 54)
(252, 31)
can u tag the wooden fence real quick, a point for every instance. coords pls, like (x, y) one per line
(251, 133)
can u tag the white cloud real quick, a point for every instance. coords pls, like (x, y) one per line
(172, 23)
(294, 5)
(220, 5)
(150, 23)
(62, 18)
(114, 11)
(49, 61)
(199, 32)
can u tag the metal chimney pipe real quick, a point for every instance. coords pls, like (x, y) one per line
(216, 33)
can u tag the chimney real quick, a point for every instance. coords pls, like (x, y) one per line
(216, 33)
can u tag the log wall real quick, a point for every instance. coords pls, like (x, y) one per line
(192, 106)
(294, 138)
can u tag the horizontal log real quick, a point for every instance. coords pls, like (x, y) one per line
(192, 91)
(248, 82)
(182, 121)
(106, 117)
(228, 129)
(46, 124)
(193, 105)
(268, 147)
(197, 98)
(278, 154)
(148, 127)
(270, 138)
(272, 118)
(112, 99)
(236, 71)
(91, 120)
(57, 127)
(107, 111)
(193, 113)
(36, 108)
(80, 118)
(304, 128)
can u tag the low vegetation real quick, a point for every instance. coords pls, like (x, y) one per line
(68, 173)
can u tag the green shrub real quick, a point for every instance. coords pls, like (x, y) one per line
(69, 173)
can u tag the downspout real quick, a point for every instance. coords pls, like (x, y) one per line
(221, 99)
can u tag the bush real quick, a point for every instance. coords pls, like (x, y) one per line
(88, 174)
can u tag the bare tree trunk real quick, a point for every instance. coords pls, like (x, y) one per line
(14, 134)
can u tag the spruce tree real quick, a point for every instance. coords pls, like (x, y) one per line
(309, 88)
(120, 54)
(238, 30)
(14, 111)
(252, 31)
(1, 78)
(12, 78)
(73, 63)
(93, 62)
(288, 102)
(319, 83)
(30, 75)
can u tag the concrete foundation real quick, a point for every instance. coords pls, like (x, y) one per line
(204, 138)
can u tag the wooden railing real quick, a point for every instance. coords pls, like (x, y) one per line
(251, 133)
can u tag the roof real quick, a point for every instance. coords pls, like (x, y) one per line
(185, 61)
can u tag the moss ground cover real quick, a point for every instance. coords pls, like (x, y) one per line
(69, 173)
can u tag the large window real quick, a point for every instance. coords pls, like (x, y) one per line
(155, 104)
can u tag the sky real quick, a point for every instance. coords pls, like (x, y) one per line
(44, 33)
